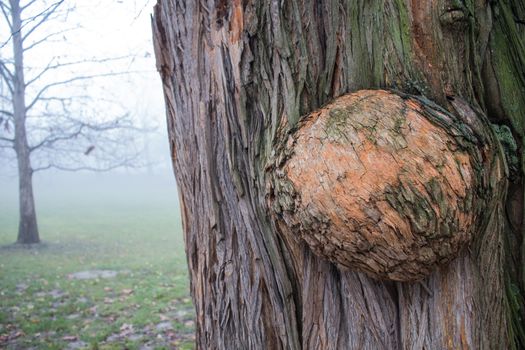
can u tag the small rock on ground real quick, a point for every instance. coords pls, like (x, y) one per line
(163, 326)
(93, 274)
(79, 344)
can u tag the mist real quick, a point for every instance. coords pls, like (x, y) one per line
(108, 191)
(109, 268)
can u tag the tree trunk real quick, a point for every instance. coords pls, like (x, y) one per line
(27, 227)
(341, 227)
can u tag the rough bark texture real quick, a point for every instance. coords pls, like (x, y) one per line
(27, 227)
(239, 75)
(384, 184)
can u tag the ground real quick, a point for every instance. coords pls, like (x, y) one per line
(110, 274)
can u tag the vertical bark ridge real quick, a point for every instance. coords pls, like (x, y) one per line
(235, 266)
(504, 77)
(369, 317)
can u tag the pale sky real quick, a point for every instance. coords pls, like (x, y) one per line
(108, 29)
(114, 28)
(101, 29)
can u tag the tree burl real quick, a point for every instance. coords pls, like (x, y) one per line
(383, 183)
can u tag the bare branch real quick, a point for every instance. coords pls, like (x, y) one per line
(6, 74)
(28, 4)
(127, 162)
(5, 112)
(44, 17)
(146, 4)
(57, 138)
(49, 36)
(51, 66)
(64, 102)
(5, 98)
(50, 140)
(5, 12)
(7, 139)
(121, 123)
(68, 81)
(6, 69)
(46, 13)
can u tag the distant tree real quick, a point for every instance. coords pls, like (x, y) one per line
(46, 120)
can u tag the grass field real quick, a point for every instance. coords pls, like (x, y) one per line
(111, 271)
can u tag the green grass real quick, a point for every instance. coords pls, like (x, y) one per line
(128, 226)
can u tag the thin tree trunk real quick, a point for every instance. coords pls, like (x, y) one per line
(27, 228)
(243, 79)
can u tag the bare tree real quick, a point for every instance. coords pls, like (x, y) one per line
(45, 128)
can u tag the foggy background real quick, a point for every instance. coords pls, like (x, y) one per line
(111, 270)
(100, 30)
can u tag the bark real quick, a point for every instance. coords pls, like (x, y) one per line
(241, 79)
(27, 227)
(397, 186)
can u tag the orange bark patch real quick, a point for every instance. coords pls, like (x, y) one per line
(378, 186)
(236, 23)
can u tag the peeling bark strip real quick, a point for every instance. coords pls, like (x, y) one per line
(240, 77)
(383, 184)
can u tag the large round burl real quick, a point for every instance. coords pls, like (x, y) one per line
(379, 183)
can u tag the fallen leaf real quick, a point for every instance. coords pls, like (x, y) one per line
(70, 338)
(126, 326)
(126, 329)
(171, 335)
(17, 334)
